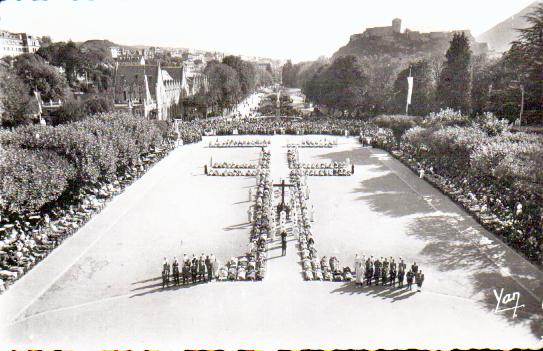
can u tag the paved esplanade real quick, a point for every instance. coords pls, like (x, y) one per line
(101, 288)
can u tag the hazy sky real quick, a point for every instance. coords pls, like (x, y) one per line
(297, 29)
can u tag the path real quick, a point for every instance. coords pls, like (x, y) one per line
(281, 270)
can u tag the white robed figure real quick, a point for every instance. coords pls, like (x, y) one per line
(282, 218)
(250, 214)
(361, 270)
(215, 264)
(358, 269)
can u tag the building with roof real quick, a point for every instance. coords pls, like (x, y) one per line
(13, 44)
(150, 91)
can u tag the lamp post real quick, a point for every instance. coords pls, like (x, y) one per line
(521, 87)
(521, 103)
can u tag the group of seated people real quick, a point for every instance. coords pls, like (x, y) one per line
(324, 172)
(232, 172)
(315, 143)
(317, 169)
(239, 143)
(249, 267)
(191, 270)
(261, 227)
(27, 239)
(323, 165)
(386, 272)
(313, 269)
(233, 165)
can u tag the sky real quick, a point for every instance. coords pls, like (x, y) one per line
(284, 29)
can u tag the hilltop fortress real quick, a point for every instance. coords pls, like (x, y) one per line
(393, 33)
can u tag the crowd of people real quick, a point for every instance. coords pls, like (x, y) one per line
(26, 240)
(293, 126)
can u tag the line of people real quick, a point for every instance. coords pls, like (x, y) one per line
(190, 271)
(386, 272)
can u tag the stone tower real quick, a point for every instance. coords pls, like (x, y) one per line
(397, 25)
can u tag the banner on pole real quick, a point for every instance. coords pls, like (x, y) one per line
(410, 89)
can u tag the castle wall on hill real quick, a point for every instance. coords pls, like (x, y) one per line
(390, 34)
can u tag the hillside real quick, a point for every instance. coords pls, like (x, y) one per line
(500, 36)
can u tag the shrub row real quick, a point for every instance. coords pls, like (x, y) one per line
(39, 163)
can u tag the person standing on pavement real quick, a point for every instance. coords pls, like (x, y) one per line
(284, 243)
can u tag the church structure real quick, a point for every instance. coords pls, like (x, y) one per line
(153, 91)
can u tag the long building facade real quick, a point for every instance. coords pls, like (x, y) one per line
(13, 44)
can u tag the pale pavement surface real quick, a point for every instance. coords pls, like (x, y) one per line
(101, 289)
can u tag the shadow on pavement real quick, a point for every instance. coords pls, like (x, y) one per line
(384, 292)
(238, 226)
(147, 280)
(157, 287)
(389, 195)
(450, 246)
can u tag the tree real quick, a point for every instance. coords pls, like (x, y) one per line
(341, 85)
(30, 179)
(481, 83)
(399, 124)
(263, 78)
(453, 89)
(72, 60)
(503, 97)
(526, 54)
(14, 99)
(70, 111)
(224, 85)
(98, 105)
(423, 93)
(287, 74)
(246, 73)
(45, 41)
(41, 76)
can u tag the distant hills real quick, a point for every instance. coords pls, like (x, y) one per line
(500, 36)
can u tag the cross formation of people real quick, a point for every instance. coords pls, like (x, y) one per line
(270, 222)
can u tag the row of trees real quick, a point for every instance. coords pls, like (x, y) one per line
(360, 86)
(231, 80)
